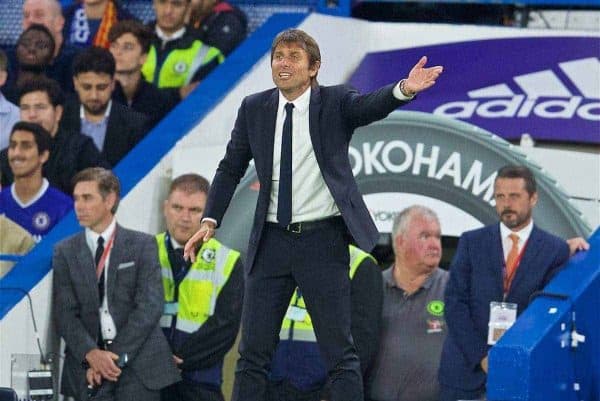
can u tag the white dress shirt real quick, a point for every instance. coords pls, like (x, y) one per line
(523, 235)
(107, 324)
(311, 198)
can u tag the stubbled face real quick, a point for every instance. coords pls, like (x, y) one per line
(34, 49)
(514, 204)
(183, 212)
(45, 13)
(94, 90)
(35, 107)
(24, 158)
(92, 210)
(291, 70)
(127, 52)
(170, 14)
(421, 245)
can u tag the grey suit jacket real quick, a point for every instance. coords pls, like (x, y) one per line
(135, 300)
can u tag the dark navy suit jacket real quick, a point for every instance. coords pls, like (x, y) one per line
(476, 279)
(334, 113)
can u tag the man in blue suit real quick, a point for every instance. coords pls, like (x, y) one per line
(308, 207)
(505, 262)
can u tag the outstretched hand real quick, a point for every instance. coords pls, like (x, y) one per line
(421, 78)
(205, 233)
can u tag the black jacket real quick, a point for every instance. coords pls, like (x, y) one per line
(70, 152)
(154, 103)
(224, 28)
(125, 129)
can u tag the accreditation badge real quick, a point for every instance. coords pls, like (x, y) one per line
(502, 316)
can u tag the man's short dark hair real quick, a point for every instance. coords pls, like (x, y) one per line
(303, 39)
(515, 171)
(41, 137)
(3, 61)
(44, 30)
(141, 32)
(46, 85)
(190, 183)
(94, 59)
(106, 180)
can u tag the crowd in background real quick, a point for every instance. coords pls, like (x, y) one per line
(96, 80)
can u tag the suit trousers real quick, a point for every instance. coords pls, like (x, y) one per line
(454, 394)
(188, 391)
(317, 261)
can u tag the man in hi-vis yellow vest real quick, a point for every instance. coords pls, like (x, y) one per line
(203, 300)
(298, 372)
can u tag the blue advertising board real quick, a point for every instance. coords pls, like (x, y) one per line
(547, 87)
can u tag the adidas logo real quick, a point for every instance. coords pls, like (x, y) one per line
(544, 95)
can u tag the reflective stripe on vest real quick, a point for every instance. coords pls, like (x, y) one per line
(180, 65)
(303, 330)
(200, 288)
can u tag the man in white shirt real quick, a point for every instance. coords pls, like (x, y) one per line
(308, 207)
(503, 262)
(108, 300)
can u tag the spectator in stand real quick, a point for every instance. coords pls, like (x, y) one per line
(15, 241)
(9, 113)
(31, 202)
(49, 14)
(114, 128)
(177, 58)
(87, 22)
(129, 44)
(34, 52)
(220, 24)
(41, 102)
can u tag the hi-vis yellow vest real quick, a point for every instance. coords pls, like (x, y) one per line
(180, 65)
(199, 290)
(303, 330)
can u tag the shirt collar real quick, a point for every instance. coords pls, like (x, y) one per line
(106, 113)
(38, 195)
(92, 236)
(523, 234)
(175, 244)
(167, 38)
(300, 104)
(388, 279)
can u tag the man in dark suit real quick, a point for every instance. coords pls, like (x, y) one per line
(114, 128)
(308, 207)
(108, 300)
(503, 262)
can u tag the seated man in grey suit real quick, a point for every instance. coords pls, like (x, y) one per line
(107, 301)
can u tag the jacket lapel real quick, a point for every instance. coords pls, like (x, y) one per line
(314, 111)
(116, 256)
(497, 258)
(270, 119)
(87, 267)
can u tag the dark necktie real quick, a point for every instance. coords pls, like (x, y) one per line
(284, 200)
(97, 257)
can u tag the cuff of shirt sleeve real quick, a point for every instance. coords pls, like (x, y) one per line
(398, 93)
(209, 219)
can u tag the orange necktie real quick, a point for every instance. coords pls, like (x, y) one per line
(511, 261)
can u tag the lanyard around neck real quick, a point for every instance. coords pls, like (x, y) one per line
(101, 263)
